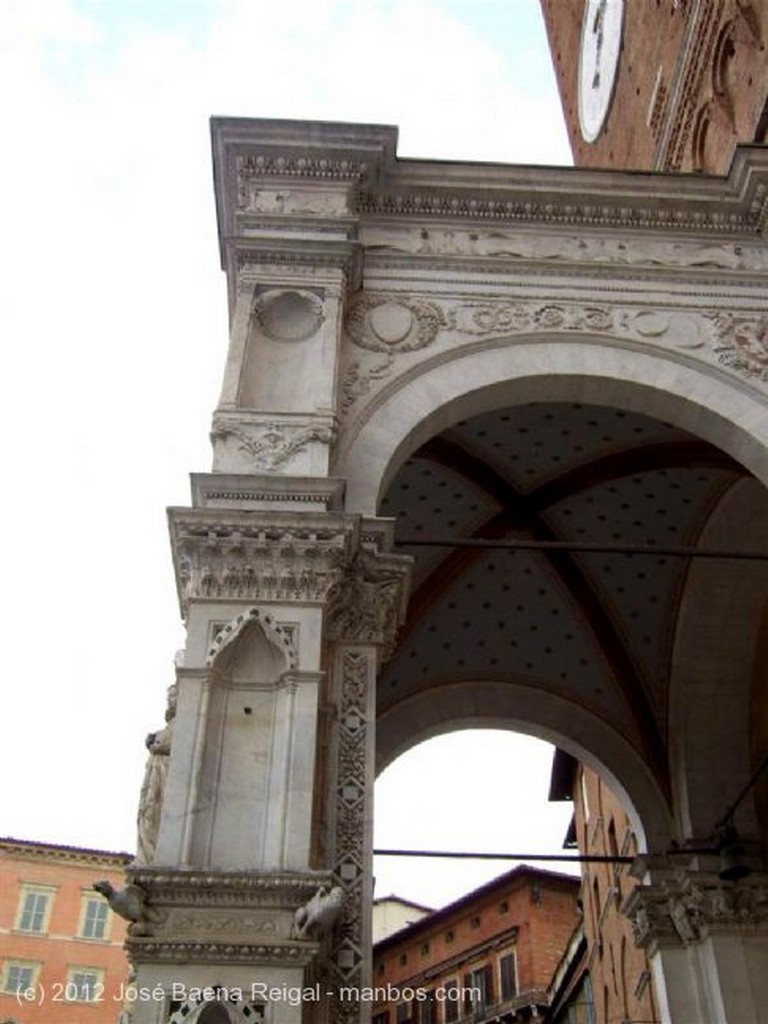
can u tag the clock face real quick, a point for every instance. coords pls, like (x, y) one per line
(598, 63)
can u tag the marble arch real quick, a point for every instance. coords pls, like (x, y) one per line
(423, 402)
(478, 704)
(490, 352)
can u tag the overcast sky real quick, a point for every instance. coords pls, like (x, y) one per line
(114, 324)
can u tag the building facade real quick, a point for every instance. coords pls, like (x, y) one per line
(392, 913)
(663, 85)
(555, 377)
(619, 978)
(61, 946)
(488, 956)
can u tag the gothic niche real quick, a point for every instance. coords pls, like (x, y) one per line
(241, 771)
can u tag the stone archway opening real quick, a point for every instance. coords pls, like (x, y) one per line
(466, 790)
(591, 647)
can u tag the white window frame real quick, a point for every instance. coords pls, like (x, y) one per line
(505, 953)
(32, 889)
(86, 900)
(96, 973)
(23, 965)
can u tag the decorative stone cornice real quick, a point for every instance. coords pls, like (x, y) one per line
(306, 557)
(30, 850)
(279, 556)
(568, 211)
(251, 257)
(254, 492)
(190, 887)
(150, 950)
(691, 905)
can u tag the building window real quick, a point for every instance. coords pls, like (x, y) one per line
(34, 910)
(381, 1018)
(449, 935)
(474, 922)
(403, 1013)
(94, 914)
(84, 985)
(425, 949)
(508, 976)
(451, 1001)
(19, 975)
(504, 907)
(403, 959)
(426, 1009)
(479, 985)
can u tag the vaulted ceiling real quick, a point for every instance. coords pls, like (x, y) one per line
(596, 628)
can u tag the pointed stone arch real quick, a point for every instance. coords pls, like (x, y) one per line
(278, 634)
(200, 1009)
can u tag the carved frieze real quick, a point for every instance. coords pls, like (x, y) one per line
(218, 917)
(252, 169)
(214, 924)
(612, 250)
(737, 342)
(224, 952)
(690, 905)
(236, 556)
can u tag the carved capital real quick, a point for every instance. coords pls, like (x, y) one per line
(265, 445)
(691, 905)
(367, 603)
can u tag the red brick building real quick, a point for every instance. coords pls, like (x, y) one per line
(488, 956)
(666, 85)
(61, 947)
(607, 969)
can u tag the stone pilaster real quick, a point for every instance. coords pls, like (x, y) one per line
(707, 941)
(364, 611)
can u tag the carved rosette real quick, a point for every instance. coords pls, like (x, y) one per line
(243, 556)
(689, 906)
